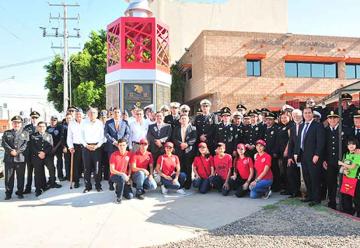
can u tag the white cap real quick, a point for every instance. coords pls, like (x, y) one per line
(185, 107)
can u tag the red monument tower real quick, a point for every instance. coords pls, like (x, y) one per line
(138, 60)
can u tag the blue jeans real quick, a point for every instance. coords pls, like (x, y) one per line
(121, 187)
(261, 187)
(202, 184)
(169, 185)
(143, 182)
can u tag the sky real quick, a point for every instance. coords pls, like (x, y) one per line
(21, 38)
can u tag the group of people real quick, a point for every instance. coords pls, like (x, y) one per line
(253, 152)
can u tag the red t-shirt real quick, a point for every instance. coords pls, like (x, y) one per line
(243, 166)
(168, 163)
(203, 166)
(222, 165)
(260, 162)
(142, 161)
(121, 161)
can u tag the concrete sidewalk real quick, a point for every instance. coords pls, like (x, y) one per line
(69, 218)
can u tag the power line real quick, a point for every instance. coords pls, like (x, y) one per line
(25, 62)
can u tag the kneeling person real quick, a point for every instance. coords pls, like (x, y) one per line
(203, 168)
(222, 167)
(142, 168)
(120, 171)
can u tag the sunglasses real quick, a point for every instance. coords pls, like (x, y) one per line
(71, 110)
(143, 144)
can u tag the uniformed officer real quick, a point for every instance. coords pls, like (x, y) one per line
(30, 129)
(55, 130)
(252, 133)
(355, 132)
(238, 128)
(41, 145)
(173, 117)
(14, 142)
(205, 124)
(65, 148)
(331, 158)
(270, 136)
(225, 131)
(349, 110)
(241, 108)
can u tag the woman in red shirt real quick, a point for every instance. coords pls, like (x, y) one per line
(243, 172)
(222, 168)
(168, 167)
(203, 168)
(264, 178)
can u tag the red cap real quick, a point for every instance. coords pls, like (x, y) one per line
(241, 146)
(202, 144)
(144, 141)
(169, 144)
(261, 142)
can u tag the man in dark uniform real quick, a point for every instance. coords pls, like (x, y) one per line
(174, 116)
(14, 142)
(41, 146)
(331, 157)
(355, 131)
(241, 108)
(30, 129)
(65, 148)
(252, 133)
(238, 129)
(225, 131)
(270, 136)
(55, 130)
(349, 110)
(205, 124)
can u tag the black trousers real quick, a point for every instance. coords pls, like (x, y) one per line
(275, 169)
(10, 170)
(331, 181)
(237, 185)
(312, 178)
(121, 187)
(186, 160)
(59, 163)
(293, 178)
(351, 205)
(67, 158)
(92, 163)
(105, 163)
(29, 173)
(78, 163)
(39, 168)
(282, 162)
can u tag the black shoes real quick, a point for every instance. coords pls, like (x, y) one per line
(76, 185)
(313, 203)
(86, 190)
(99, 189)
(56, 185)
(284, 192)
(118, 200)
(305, 200)
(62, 179)
(38, 193)
(7, 197)
(111, 187)
(27, 191)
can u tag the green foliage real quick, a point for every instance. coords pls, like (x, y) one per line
(178, 84)
(88, 69)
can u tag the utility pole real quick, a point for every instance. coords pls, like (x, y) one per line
(65, 35)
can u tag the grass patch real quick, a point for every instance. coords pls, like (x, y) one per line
(271, 207)
(291, 202)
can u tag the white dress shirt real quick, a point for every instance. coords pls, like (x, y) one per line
(137, 131)
(74, 134)
(92, 132)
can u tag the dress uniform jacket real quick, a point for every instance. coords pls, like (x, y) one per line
(283, 138)
(172, 120)
(271, 136)
(238, 134)
(206, 124)
(56, 133)
(41, 143)
(13, 140)
(252, 133)
(225, 134)
(348, 115)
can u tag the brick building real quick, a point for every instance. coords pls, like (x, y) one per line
(267, 69)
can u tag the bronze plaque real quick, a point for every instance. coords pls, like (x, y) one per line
(137, 94)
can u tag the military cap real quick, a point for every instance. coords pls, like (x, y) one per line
(252, 113)
(174, 105)
(103, 113)
(71, 108)
(357, 114)
(346, 96)
(164, 108)
(150, 106)
(205, 102)
(53, 117)
(240, 106)
(333, 113)
(35, 114)
(316, 113)
(246, 116)
(111, 109)
(225, 111)
(264, 110)
(237, 114)
(184, 107)
(17, 118)
(270, 115)
(79, 110)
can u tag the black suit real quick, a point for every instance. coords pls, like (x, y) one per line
(313, 144)
(185, 156)
(293, 171)
(31, 129)
(155, 133)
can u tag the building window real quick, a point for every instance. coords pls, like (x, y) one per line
(310, 70)
(253, 68)
(352, 71)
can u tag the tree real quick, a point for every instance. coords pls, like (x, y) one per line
(177, 85)
(88, 69)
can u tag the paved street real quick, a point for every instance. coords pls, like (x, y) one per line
(69, 218)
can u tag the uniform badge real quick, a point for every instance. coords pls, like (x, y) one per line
(155, 128)
(127, 158)
(272, 132)
(284, 128)
(246, 161)
(262, 160)
(56, 132)
(256, 128)
(231, 128)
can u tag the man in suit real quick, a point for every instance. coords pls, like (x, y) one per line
(184, 138)
(14, 142)
(355, 131)
(309, 147)
(115, 129)
(31, 129)
(293, 170)
(158, 134)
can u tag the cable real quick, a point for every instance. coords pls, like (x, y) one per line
(25, 62)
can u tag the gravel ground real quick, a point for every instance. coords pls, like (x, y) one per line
(289, 223)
